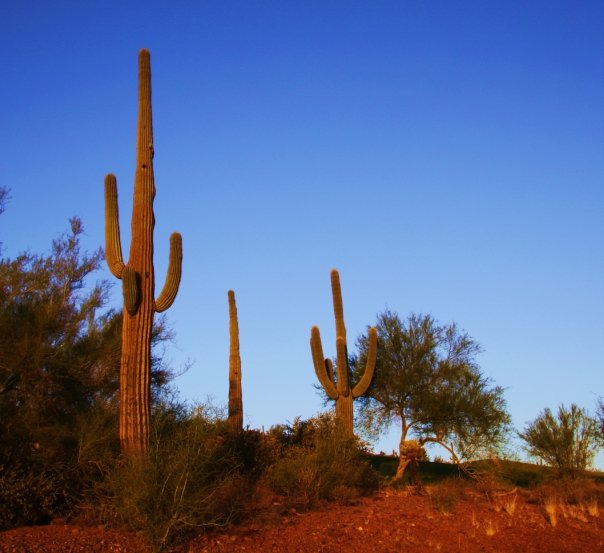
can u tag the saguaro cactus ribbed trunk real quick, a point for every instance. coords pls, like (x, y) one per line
(336, 386)
(137, 275)
(235, 419)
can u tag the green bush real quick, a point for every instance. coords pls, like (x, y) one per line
(32, 495)
(193, 477)
(319, 462)
(568, 440)
(252, 449)
(42, 480)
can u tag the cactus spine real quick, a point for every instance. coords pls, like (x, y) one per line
(137, 275)
(337, 386)
(235, 419)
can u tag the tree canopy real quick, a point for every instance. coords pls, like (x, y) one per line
(427, 379)
(52, 338)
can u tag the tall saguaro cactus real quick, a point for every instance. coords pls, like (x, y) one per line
(235, 419)
(137, 275)
(336, 386)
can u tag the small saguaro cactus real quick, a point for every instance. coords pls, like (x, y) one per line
(336, 386)
(137, 275)
(235, 419)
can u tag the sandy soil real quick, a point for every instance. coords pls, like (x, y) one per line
(389, 521)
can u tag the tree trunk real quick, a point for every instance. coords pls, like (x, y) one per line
(402, 458)
(402, 465)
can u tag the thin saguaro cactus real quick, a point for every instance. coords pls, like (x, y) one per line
(137, 275)
(337, 386)
(235, 419)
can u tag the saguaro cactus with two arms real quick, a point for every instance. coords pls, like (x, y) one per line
(235, 419)
(336, 386)
(137, 275)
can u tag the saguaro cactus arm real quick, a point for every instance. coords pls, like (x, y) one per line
(338, 307)
(113, 245)
(342, 366)
(170, 289)
(329, 369)
(365, 381)
(321, 364)
(131, 290)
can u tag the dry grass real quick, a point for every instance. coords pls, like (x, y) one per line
(551, 509)
(506, 501)
(490, 528)
(555, 507)
(572, 512)
(574, 499)
(592, 508)
(509, 506)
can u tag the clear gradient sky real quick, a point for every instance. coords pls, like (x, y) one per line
(446, 156)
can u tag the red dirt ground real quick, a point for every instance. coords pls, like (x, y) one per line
(390, 521)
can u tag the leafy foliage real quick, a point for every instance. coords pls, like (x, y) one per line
(568, 441)
(428, 380)
(4, 197)
(57, 353)
(194, 476)
(319, 461)
(59, 365)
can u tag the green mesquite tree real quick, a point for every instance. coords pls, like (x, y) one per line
(336, 385)
(137, 275)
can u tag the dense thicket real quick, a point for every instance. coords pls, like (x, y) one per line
(59, 366)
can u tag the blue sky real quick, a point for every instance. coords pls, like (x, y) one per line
(446, 157)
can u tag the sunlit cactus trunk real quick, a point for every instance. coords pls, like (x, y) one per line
(235, 419)
(337, 386)
(138, 279)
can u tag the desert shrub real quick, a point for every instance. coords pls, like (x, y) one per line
(319, 462)
(40, 481)
(511, 473)
(253, 450)
(572, 491)
(193, 477)
(59, 361)
(448, 492)
(575, 498)
(33, 495)
(568, 441)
